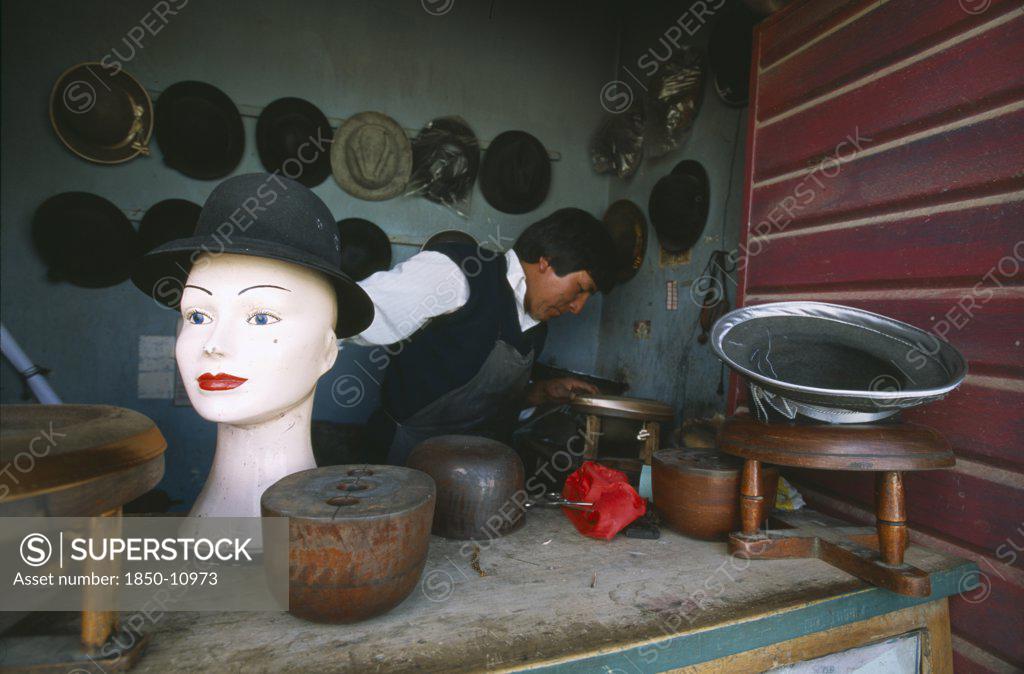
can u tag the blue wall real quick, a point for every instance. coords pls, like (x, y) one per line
(670, 365)
(532, 65)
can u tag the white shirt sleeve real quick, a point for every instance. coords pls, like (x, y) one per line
(426, 285)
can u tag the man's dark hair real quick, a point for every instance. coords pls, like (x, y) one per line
(572, 240)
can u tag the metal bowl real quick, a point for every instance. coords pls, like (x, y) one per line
(835, 363)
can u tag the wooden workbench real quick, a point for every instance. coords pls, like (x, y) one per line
(547, 598)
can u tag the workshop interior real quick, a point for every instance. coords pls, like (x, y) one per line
(512, 335)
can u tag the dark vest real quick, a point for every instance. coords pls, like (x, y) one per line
(447, 352)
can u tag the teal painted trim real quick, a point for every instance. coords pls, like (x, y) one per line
(690, 649)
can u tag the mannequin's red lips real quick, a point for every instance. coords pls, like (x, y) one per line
(219, 381)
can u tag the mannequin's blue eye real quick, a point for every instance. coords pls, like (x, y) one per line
(262, 318)
(197, 317)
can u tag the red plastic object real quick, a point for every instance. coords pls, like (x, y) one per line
(616, 503)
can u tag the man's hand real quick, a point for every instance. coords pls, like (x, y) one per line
(559, 390)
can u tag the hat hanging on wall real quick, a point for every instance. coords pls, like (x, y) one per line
(101, 116)
(678, 206)
(628, 227)
(294, 226)
(448, 236)
(516, 173)
(168, 220)
(365, 248)
(445, 161)
(834, 363)
(199, 130)
(730, 50)
(293, 137)
(85, 239)
(371, 157)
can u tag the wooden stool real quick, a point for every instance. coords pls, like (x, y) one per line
(885, 448)
(649, 412)
(87, 461)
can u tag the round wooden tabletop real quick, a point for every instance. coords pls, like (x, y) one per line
(868, 447)
(76, 460)
(622, 407)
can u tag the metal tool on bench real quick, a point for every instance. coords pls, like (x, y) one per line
(556, 500)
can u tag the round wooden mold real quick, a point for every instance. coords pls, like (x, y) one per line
(358, 538)
(697, 491)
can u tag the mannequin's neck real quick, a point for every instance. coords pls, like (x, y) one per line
(251, 458)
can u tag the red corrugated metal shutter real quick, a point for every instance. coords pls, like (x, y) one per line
(885, 170)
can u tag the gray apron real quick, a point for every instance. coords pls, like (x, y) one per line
(485, 405)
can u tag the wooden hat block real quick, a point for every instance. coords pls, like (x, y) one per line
(886, 448)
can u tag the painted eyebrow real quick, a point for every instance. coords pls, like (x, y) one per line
(199, 288)
(263, 286)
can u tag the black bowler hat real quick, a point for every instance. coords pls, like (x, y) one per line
(291, 224)
(168, 220)
(678, 206)
(448, 236)
(516, 173)
(85, 239)
(365, 248)
(199, 130)
(295, 129)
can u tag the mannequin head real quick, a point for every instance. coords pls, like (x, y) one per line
(264, 321)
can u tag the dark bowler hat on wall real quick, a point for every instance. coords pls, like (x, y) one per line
(678, 206)
(85, 239)
(448, 236)
(199, 130)
(628, 227)
(516, 173)
(371, 157)
(168, 220)
(101, 115)
(294, 137)
(287, 222)
(365, 248)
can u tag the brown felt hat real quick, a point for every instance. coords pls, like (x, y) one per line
(101, 114)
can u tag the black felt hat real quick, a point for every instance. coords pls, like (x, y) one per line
(678, 206)
(168, 220)
(516, 173)
(294, 137)
(365, 248)
(85, 239)
(448, 236)
(199, 130)
(288, 223)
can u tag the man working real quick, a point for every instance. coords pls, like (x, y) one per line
(470, 323)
